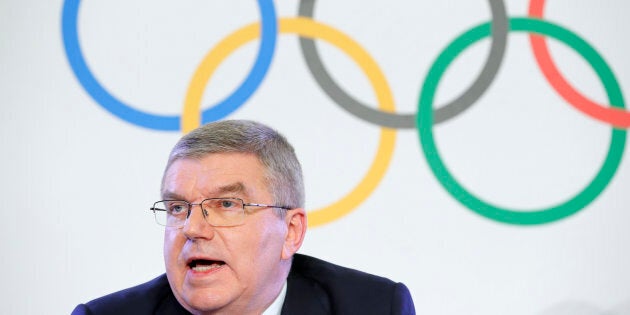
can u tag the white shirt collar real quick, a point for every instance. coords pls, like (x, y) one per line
(276, 307)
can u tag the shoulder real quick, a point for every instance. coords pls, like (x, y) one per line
(146, 298)
(346, 288)
(323, 272)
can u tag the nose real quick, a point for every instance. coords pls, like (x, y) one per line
(195, 225)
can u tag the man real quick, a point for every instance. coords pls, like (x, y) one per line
(232, 208)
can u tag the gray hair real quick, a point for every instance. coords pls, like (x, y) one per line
(283, 173)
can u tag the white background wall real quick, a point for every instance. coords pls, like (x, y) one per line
(76, 181)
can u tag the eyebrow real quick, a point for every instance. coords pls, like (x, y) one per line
(169, 195)
(234, 188)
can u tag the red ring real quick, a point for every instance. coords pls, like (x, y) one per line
(614, 116)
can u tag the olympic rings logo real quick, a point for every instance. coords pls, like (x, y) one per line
(385, 117)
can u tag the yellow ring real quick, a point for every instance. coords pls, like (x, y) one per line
(191, 116)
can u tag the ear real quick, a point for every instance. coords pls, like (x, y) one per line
(296, 230)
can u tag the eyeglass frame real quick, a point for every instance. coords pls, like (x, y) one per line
(204, 212)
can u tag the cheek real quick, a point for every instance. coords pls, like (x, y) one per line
(266, 243)
(173, 243)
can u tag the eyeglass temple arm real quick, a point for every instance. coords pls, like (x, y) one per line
(264, 205)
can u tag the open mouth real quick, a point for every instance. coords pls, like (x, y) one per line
(204, 265)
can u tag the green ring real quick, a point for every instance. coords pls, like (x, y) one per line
(556, 212)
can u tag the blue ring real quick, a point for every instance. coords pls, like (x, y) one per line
(127, 113)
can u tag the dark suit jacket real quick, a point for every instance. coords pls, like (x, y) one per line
(313, 287)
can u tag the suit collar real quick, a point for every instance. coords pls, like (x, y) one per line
(304, 295)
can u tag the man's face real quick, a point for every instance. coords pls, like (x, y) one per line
(238, 269)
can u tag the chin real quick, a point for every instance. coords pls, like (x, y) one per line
(202, 301)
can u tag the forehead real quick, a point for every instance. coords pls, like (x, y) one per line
(214, 174)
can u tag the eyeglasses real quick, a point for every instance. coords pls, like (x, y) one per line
(216, 211)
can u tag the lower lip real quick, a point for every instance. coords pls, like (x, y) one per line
(198, 273)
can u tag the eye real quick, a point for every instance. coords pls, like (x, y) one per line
(228, 204)
(223, 204)
(176, 208)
